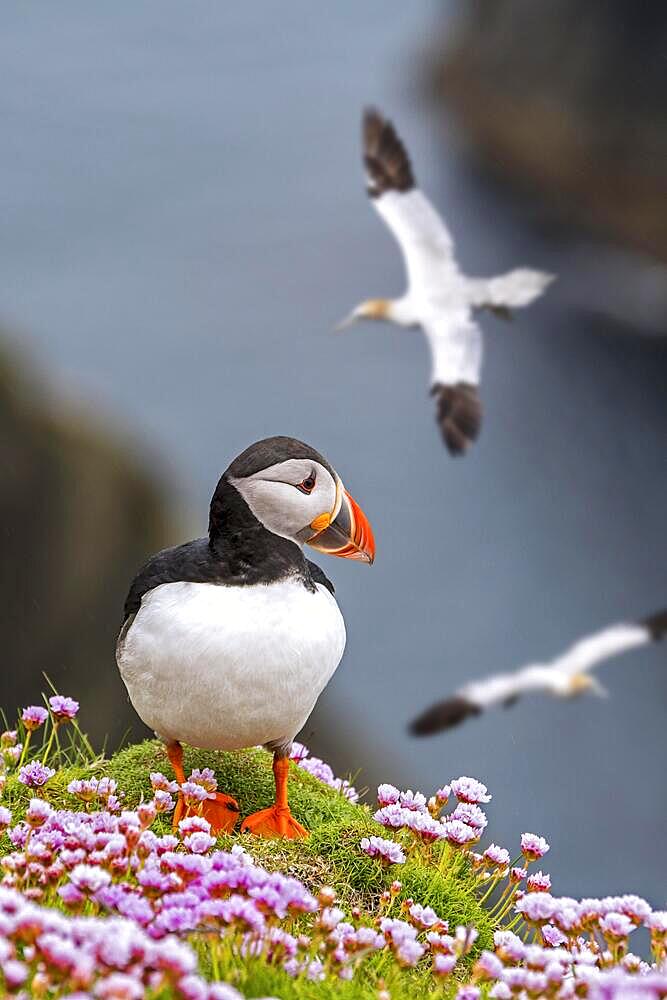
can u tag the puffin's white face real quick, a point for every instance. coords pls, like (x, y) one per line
(302, 500)
(296, 499)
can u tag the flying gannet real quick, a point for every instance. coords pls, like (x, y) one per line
(439, 298)
(564, 677)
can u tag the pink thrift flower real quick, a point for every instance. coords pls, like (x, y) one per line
(199, 842)
(33, 717)
(470, 790)
(193, 794)
(85, 789)
(15, 973)
(539, 882)
(70, 895)
(5, 818)
(191, 824)
(162, 784)
(414, 801)
(488, 966)
(498, 856)
(616, 926)
(459, 834)
(89, 879)
(470, 814)
(424, 917)
(163, 801)
(298, 752)
(388, 795)
(63, 708)
(35, 774)
(443, 965)
(146, 812)
(533, 847)
(553, 937)
(206, 778)
(37, 812)
(537, 907)
(468, 993)
(442, 795)
(388, 851)
(509, 947)
(500, 991)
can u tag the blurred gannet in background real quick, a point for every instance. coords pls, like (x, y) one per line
(439, 297)
(565, 677)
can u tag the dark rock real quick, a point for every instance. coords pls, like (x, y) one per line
(568, 99)
(78, 516)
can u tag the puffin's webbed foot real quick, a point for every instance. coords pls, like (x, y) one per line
(222, 813)
(276, 821)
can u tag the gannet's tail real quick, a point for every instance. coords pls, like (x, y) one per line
(508, 291)
(458, 414)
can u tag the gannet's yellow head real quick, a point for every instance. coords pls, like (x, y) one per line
(370, 309)
(584, 683)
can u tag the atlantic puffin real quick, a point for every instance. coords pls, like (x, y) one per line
(228, 641)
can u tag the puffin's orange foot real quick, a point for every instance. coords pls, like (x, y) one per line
(222, 812)
(274, 822)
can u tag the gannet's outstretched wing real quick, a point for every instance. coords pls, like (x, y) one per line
(554, 678)
(456, 347)
(508, 291)
(585, 654)
(424, 240)
(475, 698)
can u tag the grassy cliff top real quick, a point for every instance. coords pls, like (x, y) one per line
(331, 856)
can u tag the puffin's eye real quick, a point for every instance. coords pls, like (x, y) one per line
(308, 484)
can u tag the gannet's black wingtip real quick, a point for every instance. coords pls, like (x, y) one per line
(385, 157)
(444, 715)
(656, 625)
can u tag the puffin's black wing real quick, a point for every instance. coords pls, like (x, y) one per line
(189, 562)
(319, 576)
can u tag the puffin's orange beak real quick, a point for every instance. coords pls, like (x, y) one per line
(348, 535)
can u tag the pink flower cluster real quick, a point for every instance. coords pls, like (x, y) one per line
(42, 950)
(133, 901)
(313, 765)
(111, 864)
(411, 813)
(516, 968)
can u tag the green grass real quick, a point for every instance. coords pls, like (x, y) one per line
(330, 856)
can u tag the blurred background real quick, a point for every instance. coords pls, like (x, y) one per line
(184, 221)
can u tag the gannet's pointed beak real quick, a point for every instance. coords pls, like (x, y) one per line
(346, 532)
(349, 320)
(580, 683)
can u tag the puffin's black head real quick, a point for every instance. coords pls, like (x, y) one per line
(294, 492)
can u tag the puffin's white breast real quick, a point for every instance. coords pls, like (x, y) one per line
(225, 667)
